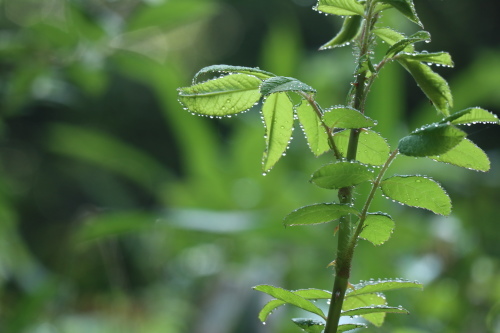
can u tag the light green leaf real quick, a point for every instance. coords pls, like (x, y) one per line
(374, 309)
(348, 327)
(223, 96)
(315, 133)
(318, 213)
(417, 191)
(269, 308)
(472, 116)
(406, 8)
(432, 84)
(278, 119)
(431, 140)
(309, 325)
(228, 69)
(282, 83)
(364, 300)
(341, 174)
(466, 155)
(377, 228)
(345, 117)
(391, 37)
(372, 286)
(404, 44)
(290, 298)
(440, 58)
(340, 7)
(349, 31)
(372, 147)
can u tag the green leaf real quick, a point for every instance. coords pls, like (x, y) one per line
(290, 298)
(224, 96)
(466, 155)
(431, 140)
(278, 119)
(228, 69)
(391, 37)
(432, 84)
(349, 31)
(440, 58)
(377, 228)
(345, 117)
(282, 83)
(372, 147)
(311, 124)
(309, 325)
(269, 308)
(318, 213)
(472, 116)
(374, 309)
(340, 7)
(372, 286)
(341, 174)
(365, 300)
(404, 44)
(406, 8)
(348, 327)
(417, 191)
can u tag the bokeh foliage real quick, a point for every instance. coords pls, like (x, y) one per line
(121, 212)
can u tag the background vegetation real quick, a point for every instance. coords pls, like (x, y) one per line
(120, 212)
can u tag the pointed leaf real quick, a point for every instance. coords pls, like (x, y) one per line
(278, 119)
(406, 8)
(466, 155)
(340, 7)
(373, 286)
(290, 298)
(432, 84)
(365, 300)
(341, 174)
(282, 83)
(309, 325)
(372, 147)
(417, 191)
(407, 43)
(223, 96)
(431, 140)
(349, 31)
(345, 117)
(391, 37)
(472, 116)
(374, 309)
(440, 58)
(377, 228)
(315, 133)
(348, 327)
(269, 308)
(318, 213)
(228, 69)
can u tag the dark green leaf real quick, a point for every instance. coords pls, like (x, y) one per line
(372, 286)
(417, 191)
(313, 128)
(440, 58)
(434, 139)
(282, 83)
(349, 31)
(406, 8)
(341, 174)
(217, 70)
(290, 298)
(364, 300)
(340, 7)
(224, 96)
(345, 117)
(318, 213)
(472, 116)
(466, 155)
(407, 43)
(278, 118)
(377, 228)
(309, 325)
(374, 309)
(372, 147)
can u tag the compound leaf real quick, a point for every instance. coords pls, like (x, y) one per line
(318, 213)
(472, 116)
(431, 140)
(345, 117)
(309, 325)
(283, 83)
(341, 174)
(228, 69)
(278, 119)
(406, 8)
(417, 191)
(223, 96)
(290, 298)
(315, 133)
(340, 7)
(377, 228)
(372, 286)
(349, 31)
(372, 147)
(466, 155)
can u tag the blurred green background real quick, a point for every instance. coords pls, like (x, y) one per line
(120, 212)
